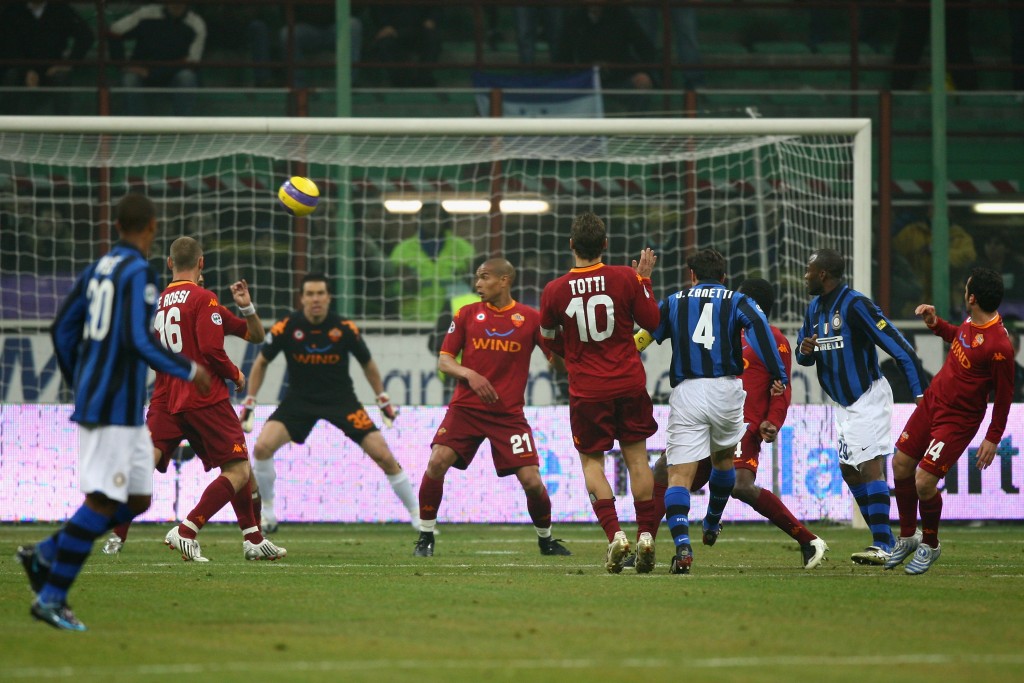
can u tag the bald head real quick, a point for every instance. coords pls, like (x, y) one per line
(501, 268)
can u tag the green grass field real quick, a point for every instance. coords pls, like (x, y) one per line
(350, 603)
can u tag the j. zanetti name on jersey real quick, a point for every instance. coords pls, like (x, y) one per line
(830, 343)
(708, 293)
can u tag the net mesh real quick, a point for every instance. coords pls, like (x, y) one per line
(764, 201)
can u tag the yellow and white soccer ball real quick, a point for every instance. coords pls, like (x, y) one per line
(299, 196)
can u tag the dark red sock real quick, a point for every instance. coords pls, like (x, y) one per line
(539, 508)
(659, 506)
(905, 492)
(242, 505)
(607, 517)
(775, 511)
(931, 512)
(257, 504)
(645, 516)
(431, 493)
(122, 531)
(218, 494)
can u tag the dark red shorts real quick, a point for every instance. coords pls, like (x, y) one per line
(748, 451)
(596, 425)
(512, 445)
(215, 434)
(936, 438)
(165, 432)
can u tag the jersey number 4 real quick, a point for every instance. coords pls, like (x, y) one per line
(704, 332)
(168, 325)
(586, 316)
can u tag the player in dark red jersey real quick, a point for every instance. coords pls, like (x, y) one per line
(764, 414)
(980, 360)
(189, 320)
(590, 312)
(496, 337)
(317, 343)
(163, 426)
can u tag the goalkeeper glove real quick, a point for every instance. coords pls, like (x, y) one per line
(248, 415)
(643, 339)
(388, 412)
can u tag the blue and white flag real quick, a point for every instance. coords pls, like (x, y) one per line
(577, 95)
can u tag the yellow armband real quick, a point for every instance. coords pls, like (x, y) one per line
(643, 339)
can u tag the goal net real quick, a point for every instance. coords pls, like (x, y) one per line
(409, 208)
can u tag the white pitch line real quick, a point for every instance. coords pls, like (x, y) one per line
(540, 664)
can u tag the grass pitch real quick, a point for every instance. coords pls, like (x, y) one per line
(350, 603)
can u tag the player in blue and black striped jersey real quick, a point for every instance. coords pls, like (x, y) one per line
(839, 335)
(103, 339)
(705, 326)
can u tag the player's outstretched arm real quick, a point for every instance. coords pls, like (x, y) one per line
(388, 412)
(645, 266)
(240, 293)
(256, 375)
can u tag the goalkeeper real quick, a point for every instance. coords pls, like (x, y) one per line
(317, 344)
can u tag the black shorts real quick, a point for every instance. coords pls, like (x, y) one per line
(349, 416)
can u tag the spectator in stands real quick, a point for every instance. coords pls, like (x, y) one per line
(167, 32)
(914, 243)
(610, 36)
(45, 243)
(406, 35)
(434, 265)
(315, 31)
(999, 256)
(46, 33)
(684, 36)
(243, 29)
(913, 36)
(530, 22)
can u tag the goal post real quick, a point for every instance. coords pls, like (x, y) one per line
(764, 192)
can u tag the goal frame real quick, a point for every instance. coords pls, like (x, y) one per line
(858, 128)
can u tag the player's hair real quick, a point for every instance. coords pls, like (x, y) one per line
(314, 277)
(185, 253)
(830, 261)
(761, 291)
(987, 287)
(707, 264)
(134, 213)
(502, 267)
(588, 235)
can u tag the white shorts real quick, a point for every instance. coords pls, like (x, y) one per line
(865, 428)
(705, 415)
(116, 461)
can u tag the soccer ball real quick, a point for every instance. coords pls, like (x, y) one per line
(298, 196)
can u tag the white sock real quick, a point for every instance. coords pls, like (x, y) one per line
(543, 533)
(266, 475)
(427, 525)
(402, 487)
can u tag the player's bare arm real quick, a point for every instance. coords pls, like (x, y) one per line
(254, 326)
(240, 381)
(480, 385)
(645, 266)
(768, 431)
(986, 454)
(808, 345)
(927, 314)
